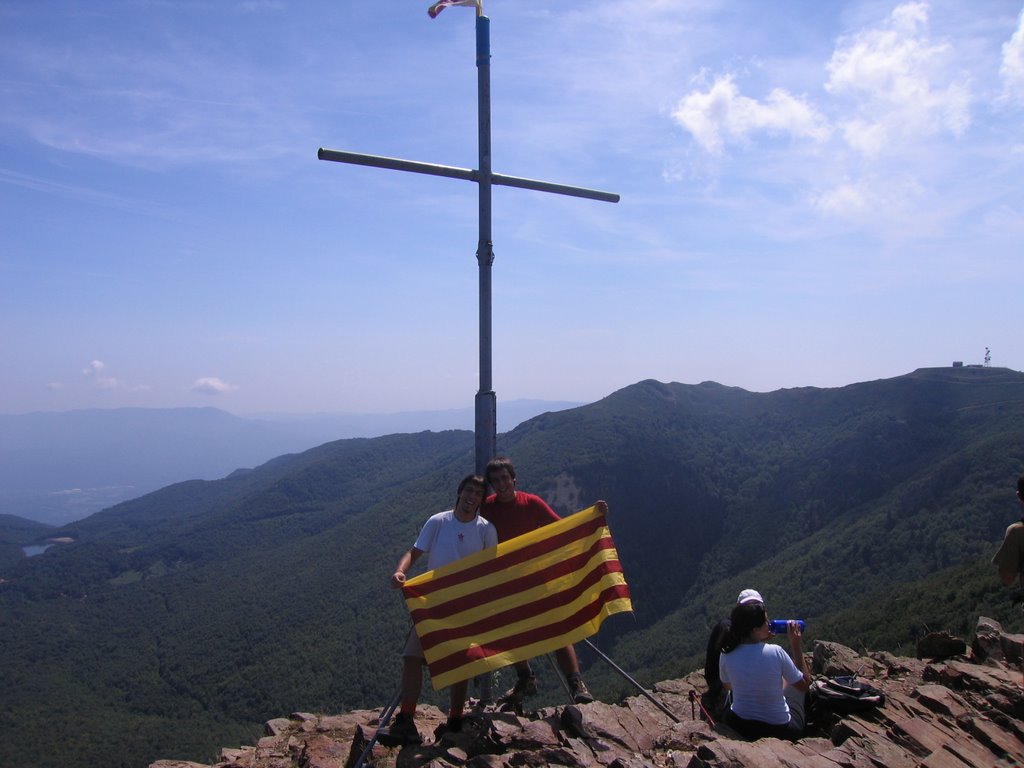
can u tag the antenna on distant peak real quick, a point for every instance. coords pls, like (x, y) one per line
(988, 357)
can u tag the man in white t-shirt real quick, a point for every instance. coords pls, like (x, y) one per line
(444, 538)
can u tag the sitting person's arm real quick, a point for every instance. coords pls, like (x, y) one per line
(797, 652)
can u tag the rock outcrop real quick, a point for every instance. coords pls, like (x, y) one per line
(950, 712)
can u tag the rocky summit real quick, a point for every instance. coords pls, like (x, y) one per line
(951, 706)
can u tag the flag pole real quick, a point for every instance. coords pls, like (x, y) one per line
(637, 685)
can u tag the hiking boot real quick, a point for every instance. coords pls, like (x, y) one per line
(580, 693)
(525, 686)
(451, 725)
(402, 732)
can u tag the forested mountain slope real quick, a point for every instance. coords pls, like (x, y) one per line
(191, 615)
(15, 533)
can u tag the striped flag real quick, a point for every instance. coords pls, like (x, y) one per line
(530, 595)
(439, 6)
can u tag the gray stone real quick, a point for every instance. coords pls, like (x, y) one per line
(834, 660)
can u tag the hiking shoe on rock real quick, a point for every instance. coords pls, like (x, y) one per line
(580, 693)
(451, 725)
(402, 732)
(525, 686)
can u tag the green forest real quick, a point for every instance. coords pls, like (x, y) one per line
(177, 623)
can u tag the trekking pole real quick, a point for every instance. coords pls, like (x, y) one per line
(385, 718)
(695, 699)
(637, 685)
(561, 679)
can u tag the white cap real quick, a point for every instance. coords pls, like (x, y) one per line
(749, 596)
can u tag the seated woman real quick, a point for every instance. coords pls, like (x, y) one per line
(767, 687)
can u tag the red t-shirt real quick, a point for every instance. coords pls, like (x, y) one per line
(514, 518)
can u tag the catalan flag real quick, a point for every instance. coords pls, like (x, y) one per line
(530, 595)
(437, 7)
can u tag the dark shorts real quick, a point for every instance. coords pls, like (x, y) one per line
(412, 646)
(756, 729)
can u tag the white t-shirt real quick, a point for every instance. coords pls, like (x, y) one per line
(445, 539)
(756, 672)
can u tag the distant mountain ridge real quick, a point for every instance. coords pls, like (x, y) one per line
(58, 467)
(184, 618)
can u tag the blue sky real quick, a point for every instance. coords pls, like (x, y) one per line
(813, 194)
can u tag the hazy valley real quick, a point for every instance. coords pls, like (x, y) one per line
(60, 467)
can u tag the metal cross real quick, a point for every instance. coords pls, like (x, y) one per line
(485, 403)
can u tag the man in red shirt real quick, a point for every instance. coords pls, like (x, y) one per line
(514, 513)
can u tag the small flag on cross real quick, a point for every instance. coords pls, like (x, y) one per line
(439, 6)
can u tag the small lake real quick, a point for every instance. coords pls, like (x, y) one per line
(35, 549)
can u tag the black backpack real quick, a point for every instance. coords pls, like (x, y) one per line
(844, 695)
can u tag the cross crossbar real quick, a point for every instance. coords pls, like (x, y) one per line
(467, 174)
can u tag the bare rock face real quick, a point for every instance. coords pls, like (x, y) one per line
(951, 713)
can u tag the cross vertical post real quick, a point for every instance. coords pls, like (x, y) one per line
(485, 405)
(486, 401)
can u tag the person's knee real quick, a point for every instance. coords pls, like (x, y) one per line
(796, 700)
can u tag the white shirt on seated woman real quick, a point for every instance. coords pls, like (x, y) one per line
(768, 686)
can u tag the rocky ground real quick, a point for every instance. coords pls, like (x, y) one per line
(951, 707)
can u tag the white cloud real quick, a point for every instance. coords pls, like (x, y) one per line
(211, 385)
(723, 111)
(94, 372)
(866, 138)
(887, 87)
(846, 200)
(899, 202)
(899, 81)
(1012, 68)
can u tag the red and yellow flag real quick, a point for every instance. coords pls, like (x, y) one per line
(530, 595)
